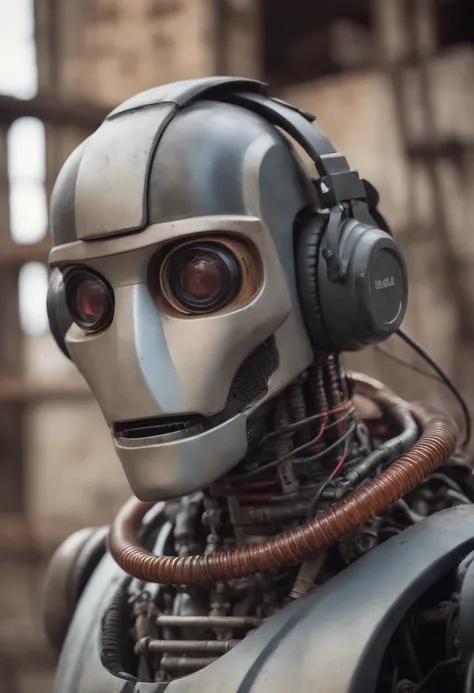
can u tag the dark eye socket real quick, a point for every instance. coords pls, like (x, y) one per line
(200, 277)
(89, 299)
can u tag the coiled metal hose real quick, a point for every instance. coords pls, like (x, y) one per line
(437, 442)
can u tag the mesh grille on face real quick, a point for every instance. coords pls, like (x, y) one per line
(251, 380)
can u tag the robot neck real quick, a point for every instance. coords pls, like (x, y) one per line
(307, 417)
(298, 440)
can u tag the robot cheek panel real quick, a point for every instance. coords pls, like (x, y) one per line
(128, 365)
(176, 410)
(168, 466)
(145, 363)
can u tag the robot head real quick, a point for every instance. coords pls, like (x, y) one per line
(197, 268)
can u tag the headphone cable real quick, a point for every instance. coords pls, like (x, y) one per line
(446, 380)
(406, 364)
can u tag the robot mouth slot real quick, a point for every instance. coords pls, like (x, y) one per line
(179, 426)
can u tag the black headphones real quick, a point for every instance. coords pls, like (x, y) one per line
(351, 276)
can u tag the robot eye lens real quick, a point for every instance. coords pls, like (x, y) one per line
(201, 278)
(89, 300)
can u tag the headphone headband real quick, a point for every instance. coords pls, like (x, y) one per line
(337, 183)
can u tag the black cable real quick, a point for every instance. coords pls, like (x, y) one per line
(322, 487)
(330, 448)
(387, 452)
(301, 448)
(469, 682)
(288, 429)
(406, 364)
(410, 514)
(442, 478)
(114, 625)
(302, 423)
(315, 502)
(446, 380)
(434, 670)
(451, 631)
(410, 650)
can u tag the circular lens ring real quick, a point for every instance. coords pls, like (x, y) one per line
(176, 271)
(75, 281)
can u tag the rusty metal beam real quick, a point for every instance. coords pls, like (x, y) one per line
(52, 111)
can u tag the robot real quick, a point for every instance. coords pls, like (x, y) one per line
(294, 526)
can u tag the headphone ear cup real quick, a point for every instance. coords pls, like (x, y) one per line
(60, 319)
(308, 247)
(373, 199)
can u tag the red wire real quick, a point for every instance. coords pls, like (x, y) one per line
(336, 410)
(326, 414)
(320, 433)
(265, 484)
(338, 466)
(258, 484)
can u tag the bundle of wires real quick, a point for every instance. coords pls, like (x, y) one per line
(360, 469)
(345, 410)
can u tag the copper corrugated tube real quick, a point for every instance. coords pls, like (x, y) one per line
(437, 442)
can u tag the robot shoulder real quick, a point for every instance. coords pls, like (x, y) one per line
(337, 637)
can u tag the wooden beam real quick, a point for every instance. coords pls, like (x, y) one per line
(15, 534)
(12, 443)
(450, 148)
(14, 390)
(14, 254)
(52, 110)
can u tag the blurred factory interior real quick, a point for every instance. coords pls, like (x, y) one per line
(391, 82)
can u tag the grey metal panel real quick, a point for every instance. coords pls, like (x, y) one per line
(276, 188)
(128, 366)
(113, 173)
(67, 574)
(63, 198)
(333, 641)
(198, 167)
(152, 237)
(184, 92)
(330, 642)
(146, 364)
(80, 669)
(280, 170)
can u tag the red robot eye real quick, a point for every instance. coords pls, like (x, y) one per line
(201, 278)
(89, 299)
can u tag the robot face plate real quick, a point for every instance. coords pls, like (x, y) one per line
(182, 328)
